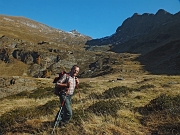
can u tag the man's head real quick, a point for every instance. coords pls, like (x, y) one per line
(74, 70)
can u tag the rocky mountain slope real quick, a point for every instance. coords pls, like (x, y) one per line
(148, 35)
(42, 50)
(33, 49)
(138, 101)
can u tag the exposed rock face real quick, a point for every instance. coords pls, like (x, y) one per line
(146, 34)
(44, 49)
(134, 27)
(138, 25)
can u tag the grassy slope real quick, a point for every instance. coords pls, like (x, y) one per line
(17, 68)
(115, 111)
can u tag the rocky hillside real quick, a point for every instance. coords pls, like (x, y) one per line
(33, 49)
(40, 50)
(154, 36)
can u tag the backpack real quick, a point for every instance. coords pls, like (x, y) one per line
(60, 75)
(57, 90)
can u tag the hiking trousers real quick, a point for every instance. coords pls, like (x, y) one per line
(66, 112)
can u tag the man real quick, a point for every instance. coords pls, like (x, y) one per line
(67, 84)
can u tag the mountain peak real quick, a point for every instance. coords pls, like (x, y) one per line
(74, 31)
(161, 12)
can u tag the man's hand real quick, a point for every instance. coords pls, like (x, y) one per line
(68, 84)
(77, 80)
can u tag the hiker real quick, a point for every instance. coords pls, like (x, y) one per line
(67, 83)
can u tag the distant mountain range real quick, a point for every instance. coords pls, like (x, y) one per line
(43, 50)
(154, 36)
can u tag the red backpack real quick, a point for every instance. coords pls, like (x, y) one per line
(58, 89)
(60, 75)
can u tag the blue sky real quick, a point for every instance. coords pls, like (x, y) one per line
(95, 18)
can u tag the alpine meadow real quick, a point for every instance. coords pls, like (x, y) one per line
(129, 81)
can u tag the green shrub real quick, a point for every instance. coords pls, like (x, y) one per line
(84, 87)
(78, 115)
(105, 107)
(21, 114)
(37, 93)
(94, 95)
(23, 94)
(117, 91)
(163, 102)
(165, 111)
(47, 108)
(146, 86)
(41, 93)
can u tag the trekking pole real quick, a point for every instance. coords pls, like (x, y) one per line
(57, 119)
(80, 98)
(81, 102)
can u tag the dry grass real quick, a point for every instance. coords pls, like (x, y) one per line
(110, 106)
(127, 119)
(16, 68)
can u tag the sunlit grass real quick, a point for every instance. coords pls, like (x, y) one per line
(103, 108)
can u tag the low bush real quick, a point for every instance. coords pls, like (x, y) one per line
(79, 114)
(147, 86)
(41, 93)
(23, 94)
(47, 108)
(163, 102)
(105, 107)
(162, 114)
(94, 95)
(84, 87)
(21, 114)
(37, 93)
(117, 91)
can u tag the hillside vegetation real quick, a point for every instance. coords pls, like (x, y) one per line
(138, 103)
(134, 90)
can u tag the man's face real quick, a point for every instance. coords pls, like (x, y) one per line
(75, 71)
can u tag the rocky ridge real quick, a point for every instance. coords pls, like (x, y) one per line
(147, 34)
